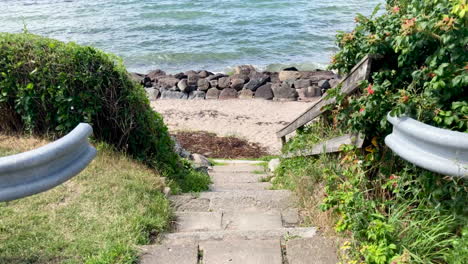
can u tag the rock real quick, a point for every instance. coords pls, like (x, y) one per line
(256, 80)
(324, 84)
(179, 150)
(244, 77)
(197, 95)
(274, 77)
(203, 84)
(274, 164)
(216, 76)
(316, 76)
(192, 79)
(204, 74)
(264, 92)
(168, 82)
(228, 93)
(309, 92)
(246, 94)
(244, 69)
(303, 83)
(148, 83)
(191, 72)
(290, 69)
(173, 95)
(180, 76)
(200, 160)
(289, 75)
(153, 75)
(137, 77)
(183, 85)
(284, 92)
(224, 82)
(237, 84)
(212, 93)
(152, 93)
(214, 83)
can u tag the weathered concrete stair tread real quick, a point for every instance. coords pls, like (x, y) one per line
(243, 234)
(241, 177)
(198, 221)
(233, 201)
(242, 252)
(251, 220)
(254, 186)
(237, 168)
(316, 250)
(185, 253)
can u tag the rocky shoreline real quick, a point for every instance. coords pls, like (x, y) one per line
(245, 83)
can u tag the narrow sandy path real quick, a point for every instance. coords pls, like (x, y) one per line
(253, 120)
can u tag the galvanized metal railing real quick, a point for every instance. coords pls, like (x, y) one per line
(435, 149)
(41, 169)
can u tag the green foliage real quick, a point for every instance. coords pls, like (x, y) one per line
(424, 73)
(47, 87)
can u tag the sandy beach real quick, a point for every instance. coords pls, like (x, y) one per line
(253, 120)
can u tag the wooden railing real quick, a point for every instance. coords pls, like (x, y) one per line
(361, 72)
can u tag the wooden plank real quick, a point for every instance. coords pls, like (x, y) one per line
(349, 84)
(329, 146)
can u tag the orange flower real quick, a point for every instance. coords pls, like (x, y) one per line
(369, 89)
(395, 9)
(362, 110)
(431, 74)
(408, 26)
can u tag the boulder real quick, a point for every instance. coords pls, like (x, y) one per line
(224, 82)
(274, 77)
(333, 82)
(302, 83)
(316, 76)
(290, 69)
(167, 82)
(246, 94)
(284, 92)
(244, 69)
(204, 74)
(244, 77)
(305, 94)
(192, 79)
(324, 84)
(183, 85)
(228, 93)
(148, 83)
(152, 93)
(264, 92)
(153, 75)
(256, 80)
(200, 162)
(180, 76)
(203, 84)
(274, 164)
(173, 95)
(197, 95)
(191, 72)
(216, 76)
(212, 93)
(214, 83)
(289, 75)
(237, 84)
(137, 77)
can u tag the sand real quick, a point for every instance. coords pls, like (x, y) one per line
(254, 120)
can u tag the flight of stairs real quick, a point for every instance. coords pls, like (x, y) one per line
(239, 221)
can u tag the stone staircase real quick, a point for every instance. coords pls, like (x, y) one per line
(240, 221)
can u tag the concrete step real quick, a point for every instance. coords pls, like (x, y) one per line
(198, 221)
(316, 250)
(180, 252)
(237, 168)
(252, 220)
(228, 177)
(284, 232)
(254, 186)
(242, 252)
(265, 200)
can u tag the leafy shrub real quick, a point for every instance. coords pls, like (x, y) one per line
(47, 87)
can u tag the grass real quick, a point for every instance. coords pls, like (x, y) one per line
(97, 217)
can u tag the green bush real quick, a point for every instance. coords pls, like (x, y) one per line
(47, 87)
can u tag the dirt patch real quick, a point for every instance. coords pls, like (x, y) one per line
(210, 145)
